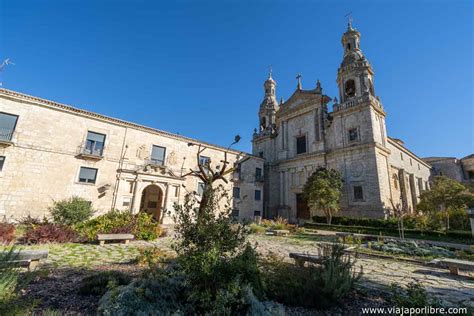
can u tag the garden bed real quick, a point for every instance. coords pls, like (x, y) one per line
(416, 252)
(463, 237)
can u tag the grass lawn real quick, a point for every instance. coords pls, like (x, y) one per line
(85, 255)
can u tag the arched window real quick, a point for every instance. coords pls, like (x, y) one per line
(348, 46)
(263, 123)
(349, 88)
(371, 88)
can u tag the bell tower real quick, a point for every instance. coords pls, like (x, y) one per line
(268, 108)
(355, 75)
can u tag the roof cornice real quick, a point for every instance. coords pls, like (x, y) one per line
(403, 148)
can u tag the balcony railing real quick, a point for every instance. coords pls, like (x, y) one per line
(91, 152)
(155, 162)
(356, 101)
(6, 134)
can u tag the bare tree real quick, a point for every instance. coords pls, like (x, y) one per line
(208, 175)
(400, 211)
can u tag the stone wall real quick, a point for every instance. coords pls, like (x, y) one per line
(42, 165)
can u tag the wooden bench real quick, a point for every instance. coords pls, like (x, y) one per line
(454, 265)
(102, 238)
(301, 258)
(27, 258)
(281, 232)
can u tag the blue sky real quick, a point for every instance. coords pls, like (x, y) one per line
(197, 67)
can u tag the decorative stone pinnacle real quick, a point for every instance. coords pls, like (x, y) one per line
(318, 86)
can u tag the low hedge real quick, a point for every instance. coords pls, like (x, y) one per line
(409, 222)
(455, 236)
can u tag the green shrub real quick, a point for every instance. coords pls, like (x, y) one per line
(257, 229)
(154, 257)
(71, 211)
(213, 253)
(412, 296)
(165, 293)
(140, 225)
(278, 223)
(99, 283)
(312, 286)
(409, 222)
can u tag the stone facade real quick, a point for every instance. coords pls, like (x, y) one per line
(461, 170)
(297, 136)
(46, 148)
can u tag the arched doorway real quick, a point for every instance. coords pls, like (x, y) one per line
(152, 198)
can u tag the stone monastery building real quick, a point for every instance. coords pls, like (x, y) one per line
(298, 136)
(50, 151)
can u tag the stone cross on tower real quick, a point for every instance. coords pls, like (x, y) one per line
(298, 77)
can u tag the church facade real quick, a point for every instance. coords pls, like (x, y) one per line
(299, 135)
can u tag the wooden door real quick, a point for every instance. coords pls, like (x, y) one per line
(302, 209)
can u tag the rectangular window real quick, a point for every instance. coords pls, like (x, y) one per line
(300, 145)
(236, 192)
(87, 175)
(260, 154)
(176, 191)
(200, 189)
(411, 162)
(258, 174)
(7, 126)
(401, 156)
(358, 193)
(126, 201)
(470, 174)
(353, 135)
(2, 162)
(94, 144)
(158, 155)
(203, 160)
(257, 213)
(235, 213)
(258, 195)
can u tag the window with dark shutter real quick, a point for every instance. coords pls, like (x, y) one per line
(87, 175)
(358, 193)
(301, 145)
(236, 192)
(7, 126)
(258, 195)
